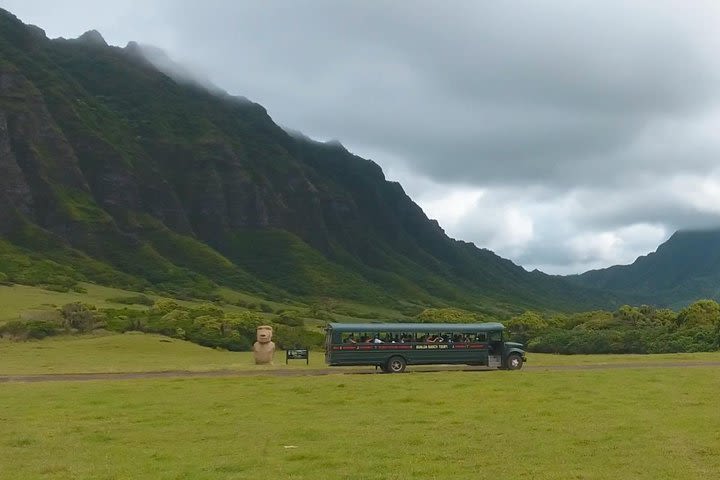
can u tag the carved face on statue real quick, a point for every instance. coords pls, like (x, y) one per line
(264, 334)
(264, 348)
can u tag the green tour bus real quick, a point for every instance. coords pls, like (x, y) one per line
(393, 346)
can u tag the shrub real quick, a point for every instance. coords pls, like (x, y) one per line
(56, 288)
(291, 318)
(320, 315)
(80, 316)
(34, 329)
(294, 337)
(4, 279)
(449, 315)
(133, 300)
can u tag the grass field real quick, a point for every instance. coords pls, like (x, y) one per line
(129, 352)
(609, 424)
(137, 352)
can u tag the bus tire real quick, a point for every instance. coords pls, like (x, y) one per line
(396, 365)
(514, 362)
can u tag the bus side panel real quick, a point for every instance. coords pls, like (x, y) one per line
(463, 353)
(417, 354)
(364, 354)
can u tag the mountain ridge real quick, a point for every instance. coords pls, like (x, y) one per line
(684, 268)
(125, 173)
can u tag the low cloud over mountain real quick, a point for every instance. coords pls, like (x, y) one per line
(565, 135)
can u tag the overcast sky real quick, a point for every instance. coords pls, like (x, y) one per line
(564, 135)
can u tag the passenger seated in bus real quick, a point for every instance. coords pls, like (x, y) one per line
(377, 340)
(350, 339)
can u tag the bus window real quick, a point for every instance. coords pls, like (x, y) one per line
(481, 337)
(496, 336)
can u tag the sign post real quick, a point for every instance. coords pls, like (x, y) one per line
(297, 354)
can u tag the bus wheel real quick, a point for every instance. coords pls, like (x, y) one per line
(396, 365)
(514, 362)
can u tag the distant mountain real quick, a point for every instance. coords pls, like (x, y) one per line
(683, 269)
(115, 172)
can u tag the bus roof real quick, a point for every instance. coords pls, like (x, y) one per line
(420, 327)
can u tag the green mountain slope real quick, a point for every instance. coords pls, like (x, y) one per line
(683, 269)
(118, 174)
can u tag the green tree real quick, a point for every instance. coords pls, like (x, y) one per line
(448, 315)
(703, 313)
(165, 306)
(243, 323)
(526, 326)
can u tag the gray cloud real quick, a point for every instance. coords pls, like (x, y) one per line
(564, 135)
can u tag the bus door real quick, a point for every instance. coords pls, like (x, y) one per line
(495, 342)
(328, 343)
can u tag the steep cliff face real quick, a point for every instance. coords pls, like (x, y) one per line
(36, 159)
(181, 186)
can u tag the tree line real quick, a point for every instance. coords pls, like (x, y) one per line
(643, 329)
(204, 324)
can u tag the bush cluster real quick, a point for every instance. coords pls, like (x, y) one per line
(210, 326)
(70, 318)
(133, 300)
(643, 329)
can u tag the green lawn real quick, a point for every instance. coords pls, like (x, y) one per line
(130, 352)
(609, 424)
(545, 359)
